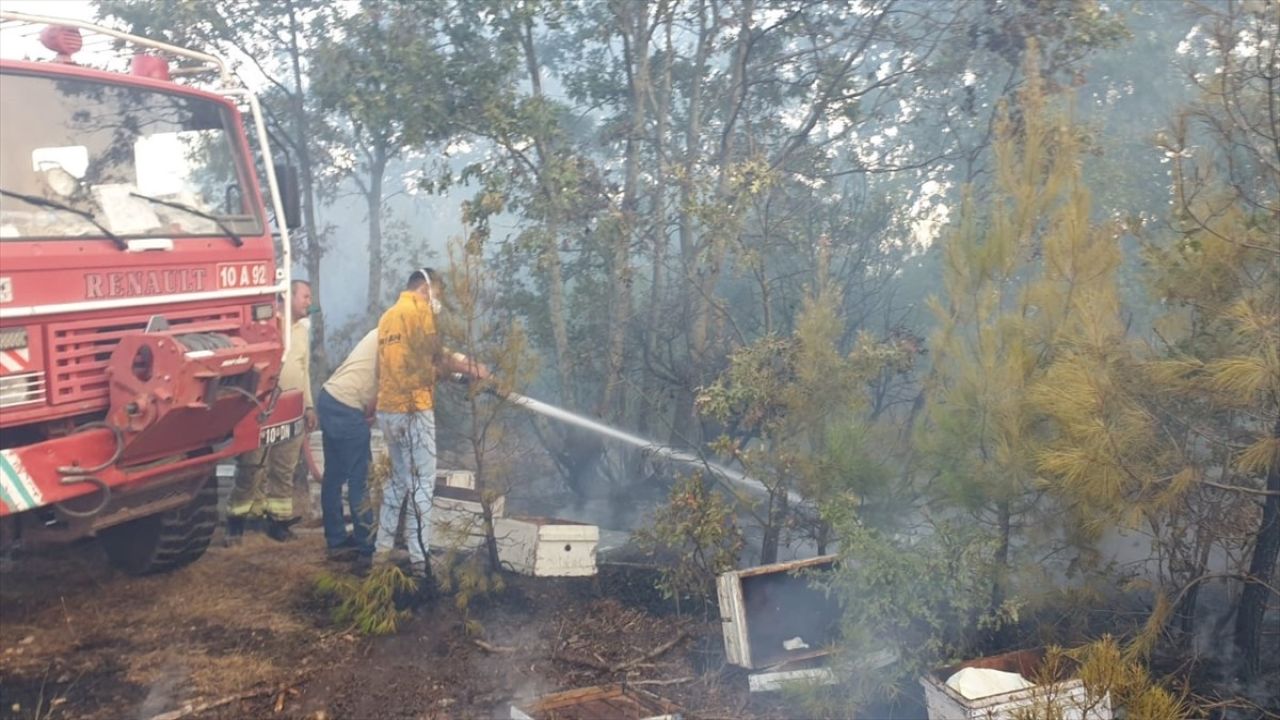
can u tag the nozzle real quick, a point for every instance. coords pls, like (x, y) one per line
(463, 379)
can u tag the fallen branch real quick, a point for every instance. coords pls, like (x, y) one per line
(654, 653)
(491, 648)
(671, 681)
(584, 661)
(189, 709)
(627, 664)
(193, 709)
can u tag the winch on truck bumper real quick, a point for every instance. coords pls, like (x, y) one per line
(179, 403)
(172, 391)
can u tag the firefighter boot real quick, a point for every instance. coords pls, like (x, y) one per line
(235, 530)
(280, 530)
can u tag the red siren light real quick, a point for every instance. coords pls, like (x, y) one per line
(149, 66)
(63, 40)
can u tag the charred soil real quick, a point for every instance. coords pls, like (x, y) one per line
(242, 633)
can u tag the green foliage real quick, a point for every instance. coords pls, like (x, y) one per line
(1176, 437)
(467, 577)
(1106, 667)
(857, 466)
(368, 605)
(391, 55)
(481, 421)
(695, 536)
(909, 604)
(796, 394)
(1027, 278)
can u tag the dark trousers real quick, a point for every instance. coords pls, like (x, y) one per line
(346, 461)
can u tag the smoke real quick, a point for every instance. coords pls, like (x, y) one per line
(164, 692)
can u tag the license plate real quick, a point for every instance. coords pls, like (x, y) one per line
(238, 275)
(276, 434)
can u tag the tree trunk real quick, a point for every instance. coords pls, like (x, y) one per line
(1004, 519)
(718, 243)
(1253, 601)
(635, 36)
(773, 528)
(651, 405)
(373, 204)
(312, 251)
(550, 258)
(684, 426)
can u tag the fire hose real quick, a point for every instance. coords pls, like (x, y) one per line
(730, 475)
(644, 444)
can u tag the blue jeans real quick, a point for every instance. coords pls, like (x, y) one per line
(346, 461)
(411, 441)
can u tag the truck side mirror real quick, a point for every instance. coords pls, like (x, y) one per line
(290, 196)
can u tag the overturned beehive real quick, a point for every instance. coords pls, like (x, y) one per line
(1022, 684)
(775, 614)
(606, 702)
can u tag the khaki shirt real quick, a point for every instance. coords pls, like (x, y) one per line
(407, 347)
(296, 372)
(355, 382)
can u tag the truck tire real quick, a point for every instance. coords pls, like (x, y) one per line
(165, 541)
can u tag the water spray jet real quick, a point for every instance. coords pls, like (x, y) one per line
(644, 444)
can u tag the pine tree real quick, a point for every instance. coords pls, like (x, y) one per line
(1022, 278)
(801, 395)
(1183, 436)
(482, 420)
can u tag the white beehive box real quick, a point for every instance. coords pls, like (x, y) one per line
(761, 608)
(456, 478)
(1067, 696)
(547, 547)
(457, 517)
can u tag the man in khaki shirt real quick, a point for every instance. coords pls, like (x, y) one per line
(346, 407)
(264, 477)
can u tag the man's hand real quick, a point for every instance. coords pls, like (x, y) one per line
(309, 417)
(466, 366)
(480, 371)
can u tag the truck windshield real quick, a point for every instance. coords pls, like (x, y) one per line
(104, 149)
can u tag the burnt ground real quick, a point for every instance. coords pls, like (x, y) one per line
(79, 640)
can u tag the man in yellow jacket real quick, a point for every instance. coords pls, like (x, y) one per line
(264, 477)
(410, 358)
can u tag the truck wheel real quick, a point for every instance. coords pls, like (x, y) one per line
(165, 541)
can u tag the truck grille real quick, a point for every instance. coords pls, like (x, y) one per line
(79, 350)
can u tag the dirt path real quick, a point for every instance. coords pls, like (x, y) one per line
(78, 640)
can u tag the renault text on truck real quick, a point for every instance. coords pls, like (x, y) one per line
(140, 330)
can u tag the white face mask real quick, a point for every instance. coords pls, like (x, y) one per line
(436, 305)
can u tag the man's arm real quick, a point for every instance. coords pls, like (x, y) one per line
(309, 413)
(456, 362)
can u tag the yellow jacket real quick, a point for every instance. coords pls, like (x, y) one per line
(407, 350)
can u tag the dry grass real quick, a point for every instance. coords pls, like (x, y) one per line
(227, 622)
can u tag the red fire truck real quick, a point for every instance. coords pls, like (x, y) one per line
(140, 330)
